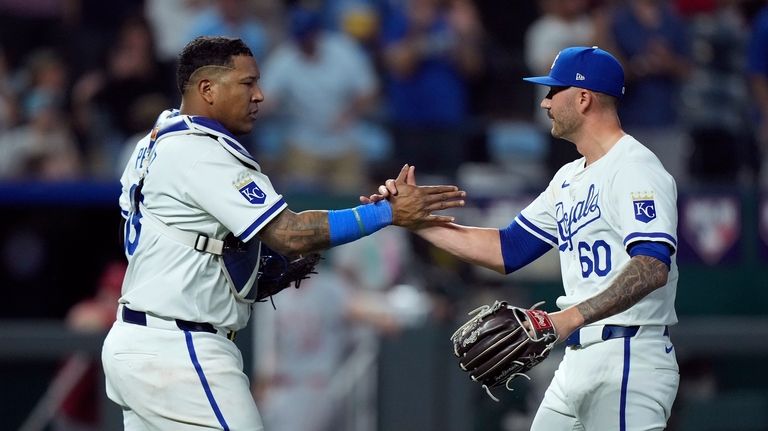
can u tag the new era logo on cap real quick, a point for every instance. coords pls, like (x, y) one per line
(585, 67)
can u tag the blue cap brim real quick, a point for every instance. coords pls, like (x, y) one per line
(546, 80)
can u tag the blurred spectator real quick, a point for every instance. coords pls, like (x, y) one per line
(143, 117)
(379, 264)
(232, 18)
(650, 40)
(97, 313)
(91, 27)
(359, 19)
(309, 343)
(321, 83)
(335, 315)
(44, 72)
(108, 103)
(563, 23)
(715, 98)
(309, 354)
(431, 49)
(169, 20)
(42, 147)
(757, 70)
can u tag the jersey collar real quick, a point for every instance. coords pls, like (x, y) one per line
(176, 123)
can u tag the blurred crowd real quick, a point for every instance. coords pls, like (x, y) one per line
(354, 89)
(360, 86)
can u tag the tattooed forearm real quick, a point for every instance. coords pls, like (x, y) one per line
(291, 233)
(641, 276)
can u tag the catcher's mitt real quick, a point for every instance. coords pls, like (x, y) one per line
(495, 346)
(277, 272)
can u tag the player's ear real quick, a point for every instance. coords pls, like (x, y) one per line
(585, 99)
(206, 90)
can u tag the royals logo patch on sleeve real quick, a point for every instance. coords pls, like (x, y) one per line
(644, 206)
(247, 187)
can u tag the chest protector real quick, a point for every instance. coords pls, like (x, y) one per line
(239, 261)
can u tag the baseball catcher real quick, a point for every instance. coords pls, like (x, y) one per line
(502, 342)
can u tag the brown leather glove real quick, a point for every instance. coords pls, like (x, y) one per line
(502, 342)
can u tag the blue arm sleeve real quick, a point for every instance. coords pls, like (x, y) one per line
(653, 249)
(757, 60)
(519, 247)
(354, 223)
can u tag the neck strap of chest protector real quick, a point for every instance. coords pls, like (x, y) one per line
(175, 124)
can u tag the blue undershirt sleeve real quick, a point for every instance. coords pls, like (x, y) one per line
(657, 250)
(519, 247)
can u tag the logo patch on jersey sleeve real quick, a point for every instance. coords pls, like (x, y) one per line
(247, 187)
(644, 206)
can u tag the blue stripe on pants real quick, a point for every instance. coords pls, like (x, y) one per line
(624, 382)
(204, 381)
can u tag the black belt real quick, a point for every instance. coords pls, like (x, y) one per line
(609, 332)
(140, 318)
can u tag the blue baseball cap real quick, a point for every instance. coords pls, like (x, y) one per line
(580, 66)
(304, 22)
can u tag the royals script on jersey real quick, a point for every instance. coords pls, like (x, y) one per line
(198, 179)
(593, 214)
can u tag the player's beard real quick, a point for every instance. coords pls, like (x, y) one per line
(565, 123)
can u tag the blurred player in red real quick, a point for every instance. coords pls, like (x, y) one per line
(78, 410)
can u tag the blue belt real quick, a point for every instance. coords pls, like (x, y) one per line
(140, 318)
(609, 332)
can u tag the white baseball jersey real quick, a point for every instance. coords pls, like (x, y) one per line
(200, 180)
(593, 214)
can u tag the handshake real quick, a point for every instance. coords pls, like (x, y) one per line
(413, 205)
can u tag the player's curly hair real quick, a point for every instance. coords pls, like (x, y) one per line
(207, 51)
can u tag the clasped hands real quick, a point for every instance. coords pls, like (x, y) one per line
(413, 205)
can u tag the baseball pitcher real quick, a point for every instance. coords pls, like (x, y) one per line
(612, 216)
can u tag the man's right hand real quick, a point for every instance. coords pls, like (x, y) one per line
(412, 205)
(389, 188)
